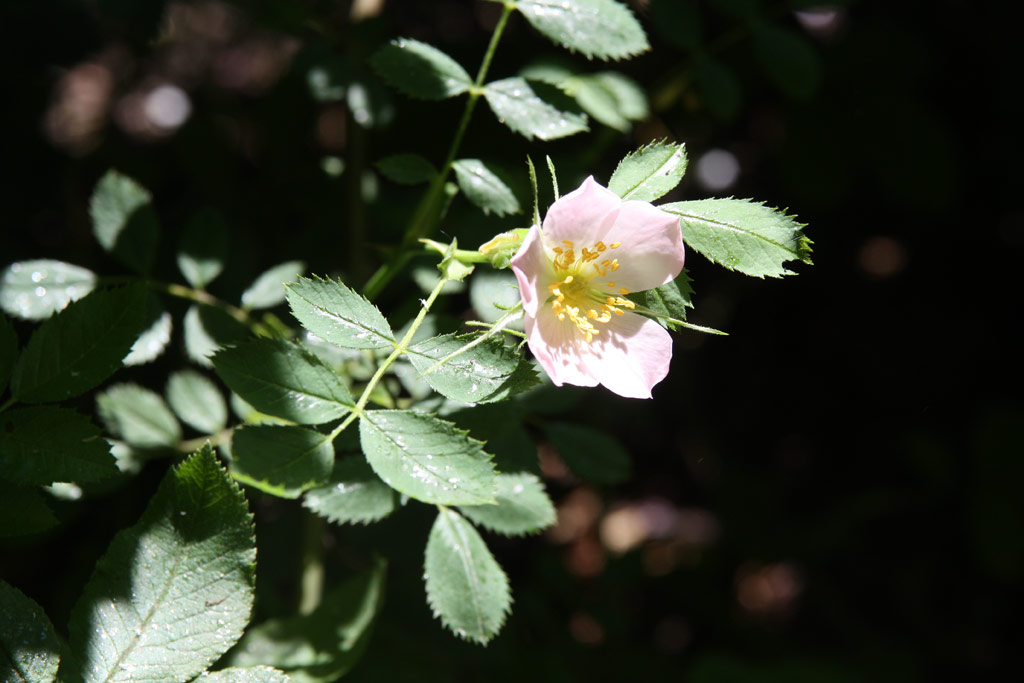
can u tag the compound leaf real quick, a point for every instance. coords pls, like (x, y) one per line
(335, 313)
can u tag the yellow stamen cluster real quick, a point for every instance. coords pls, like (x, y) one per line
(575, 298)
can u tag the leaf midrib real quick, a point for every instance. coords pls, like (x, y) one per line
(463, 554)
(735, 228)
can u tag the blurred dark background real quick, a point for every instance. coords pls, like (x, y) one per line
(833, 492)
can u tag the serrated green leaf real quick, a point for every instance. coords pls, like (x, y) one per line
(35, 290)
(335, 313)
(123, 220)
(79, 347)
(420, 70)
(44, 444)
(649, 172)
(255, 674)
(29, 649)
(282, 379)
(173, 592)
(598, 100)
(203, 248)
(491, 293)
(406, 169)
(268, 289)
(354, 494)
(523, 507)
(138, 416)
(8, 351)
(592, 455)
(197, 401)
(322, 646)
(742, 235)
(488, 372)
(629, 95)
(719, 88)
(427, 458)
(788, 59)
(156, 336)
(281, 460)
(516, 104)
(23, 511)
(466, 587)
(483, 185)
(596, 28)
(670, 300)
(207, 330)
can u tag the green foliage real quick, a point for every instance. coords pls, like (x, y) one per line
(517, 105)
(489, 290)
(596, 28)
(209, 329)
(742, 235)
(123, 221)
(44, 444)
(197, 401)
(173, 592)
(466, 587)
(420, 70)
(483, 185)
(611, 98)
(29, 649)
(427, 458)
(203, 248)
(322, 646)
(719, 88)
(138, 416)
(649, 172)
(353, 494)
(282, 379)
(35, 290)
(281, 460)
(335, 313)
(79, 347)
(255, 674)
(8, 351)
(156, 336)
(487, 372)
(523, 506)
(788, 59)
(268, 289)
(669, 300)
(590, 454)
(406, 169)
(23, 511)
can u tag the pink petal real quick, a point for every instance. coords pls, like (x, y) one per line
(583, 216)
(651, 251)
(559, 348)
(630, 355)
(533, 271)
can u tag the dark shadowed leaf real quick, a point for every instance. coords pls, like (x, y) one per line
(592, 455)
(207, 330)
(203, 248)
(420, 70)
(44, 444)
(268, 289)
(406, 169)
(354, 494)
(123, 220)
(281, 460)
(29, 649)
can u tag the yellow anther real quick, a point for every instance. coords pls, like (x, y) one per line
(610, 283)
(568, 279)
(623, 290)
(615, 245)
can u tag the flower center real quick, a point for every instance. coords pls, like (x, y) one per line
(583, 294)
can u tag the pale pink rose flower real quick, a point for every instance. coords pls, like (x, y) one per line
(573, 274)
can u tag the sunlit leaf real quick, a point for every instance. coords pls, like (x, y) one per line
(268, 289)
(138, 416)
(281, 460)
(427, 458)
(742, 235)
(489, 371)
(255, 674)
(482, 184)
(29, 649)
(466, 588)
(282, 379)
(354, 494)
(197, 401)
(670, 299)
(43, 444)
(649, 172)
(420, 70)
(516, 104)
(322, 646)
(335, 313)
(155, 338)
(207, 330)
(523, 506)
(123, 220)
(605, 29)
(79, 347)
(35, 290)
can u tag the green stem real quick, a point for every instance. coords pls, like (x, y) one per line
(223, 436)
(400, 348)
(311, 587)
(511, 314)
(461, 255)
(203, 297)
(8, 403)
(427, 211)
